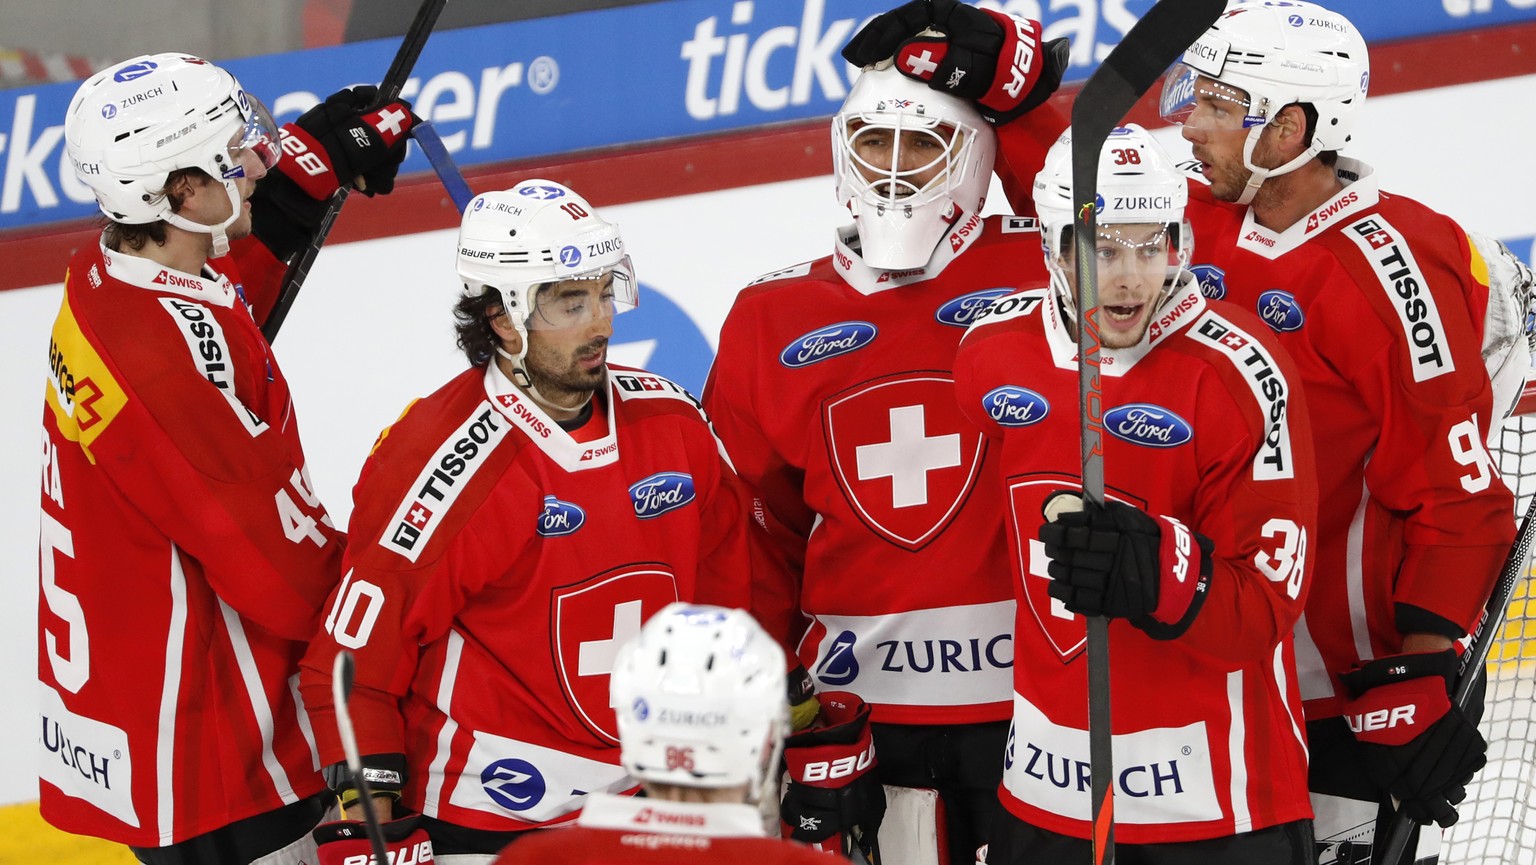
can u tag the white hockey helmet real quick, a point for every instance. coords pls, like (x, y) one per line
(533, 235)
(128, 127)
(1277, 52)
(1139, 184)
(700, 699)
(900, 222)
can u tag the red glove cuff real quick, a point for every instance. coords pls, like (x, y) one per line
(306, 163)
(1181, 555)
(1017, 64)
(838, 749)
(1396, 713)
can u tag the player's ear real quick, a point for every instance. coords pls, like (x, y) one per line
(501, 325)
(1289, 129)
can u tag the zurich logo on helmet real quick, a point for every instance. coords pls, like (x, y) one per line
(570, 256)
(660, 493)
(964, 309)
(828, 342)
(513, 784)
(839, 667)
(1212, 280)
(136, 70)
(109, 111)
(641, 709)
(1015, 406)
(543, 193)
(559, 518)
(1098, 202)
(1295, 20)
(1280, 310)
(1149, 425)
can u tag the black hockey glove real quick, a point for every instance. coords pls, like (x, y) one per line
(995, 60)
(1117, 561)
(345, 842)
(385, 774)
(345, 139)
(834, 802)
(1416, 744)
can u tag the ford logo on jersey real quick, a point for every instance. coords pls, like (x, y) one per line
(661, 492)
(513, 784)
(1280, 310)
(559, 518)
(1212, 280)
(1145, 424)
(839, 667)
(1015, 406)
(828, 342)
(964, 309)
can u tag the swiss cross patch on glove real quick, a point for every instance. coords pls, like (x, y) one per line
(343, 140)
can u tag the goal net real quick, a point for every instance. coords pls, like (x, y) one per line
(1498, 820)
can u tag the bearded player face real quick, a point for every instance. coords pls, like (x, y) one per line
(568, 334)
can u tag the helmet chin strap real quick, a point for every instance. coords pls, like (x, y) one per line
(523, 379)
(220, 238)
(1257, 175)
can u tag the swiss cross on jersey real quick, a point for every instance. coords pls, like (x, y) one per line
(1066, 631)
(592, 619)
(903, 454)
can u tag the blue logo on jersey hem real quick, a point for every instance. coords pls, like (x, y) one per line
(840, 666)
(513, 784)
(828, 342)
(1148, 425)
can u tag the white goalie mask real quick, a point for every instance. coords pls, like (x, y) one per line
(1262, 56)
(700, 700)
(527, 241)
(128, 127)
(1138, 185)
(910, 162)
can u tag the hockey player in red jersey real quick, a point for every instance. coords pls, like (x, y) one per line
(511, 530)
(185, 556)
(699, 694)
(1199, 556)
(832, 389)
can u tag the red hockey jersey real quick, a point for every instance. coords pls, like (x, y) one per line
(1380, 300)
(834, 393)
(1202, 423)
(614, 830)
(497, 566)
(184, 560)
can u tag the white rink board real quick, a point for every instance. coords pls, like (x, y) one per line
(372, 329)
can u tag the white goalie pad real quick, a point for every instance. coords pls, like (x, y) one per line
(1506, 344)
(1345, 830)
(909, 835)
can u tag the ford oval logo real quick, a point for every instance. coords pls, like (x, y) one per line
(1015, 406)
(1150, 425)
(966, 308)
(559, 518)
(1212, 280)
(1280, 310)
(828, 342)
(660, 493)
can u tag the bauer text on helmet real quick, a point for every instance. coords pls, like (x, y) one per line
(910, 162)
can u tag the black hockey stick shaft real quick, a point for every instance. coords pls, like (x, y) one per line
(389, 90)
(1472, 662)
(1130, 70)
(341, 691)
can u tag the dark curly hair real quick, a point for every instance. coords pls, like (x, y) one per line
(136, 236)
(472, 323)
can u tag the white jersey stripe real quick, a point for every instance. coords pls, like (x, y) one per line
(1355, 577)
(165, 754)
(1237, 734)
(305, 728)
(435, 772)
(250, 677)
(1285, 698)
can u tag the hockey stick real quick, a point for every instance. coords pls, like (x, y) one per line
(447, 170)
(1476, 656)
(341, 690)
(389, 90)
(1130, 70)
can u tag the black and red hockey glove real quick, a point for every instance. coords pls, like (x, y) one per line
(1118, 561)
(345, 139)
(345, 842)
(834, 802)
(1416, 744)
(995, 60)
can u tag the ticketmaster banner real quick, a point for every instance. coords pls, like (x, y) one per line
(618, 76)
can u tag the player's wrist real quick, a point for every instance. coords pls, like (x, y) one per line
(385, 774)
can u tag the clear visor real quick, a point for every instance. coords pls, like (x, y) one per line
(258, 135)
(1191, 98)
(579, 300)
(900, 157)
